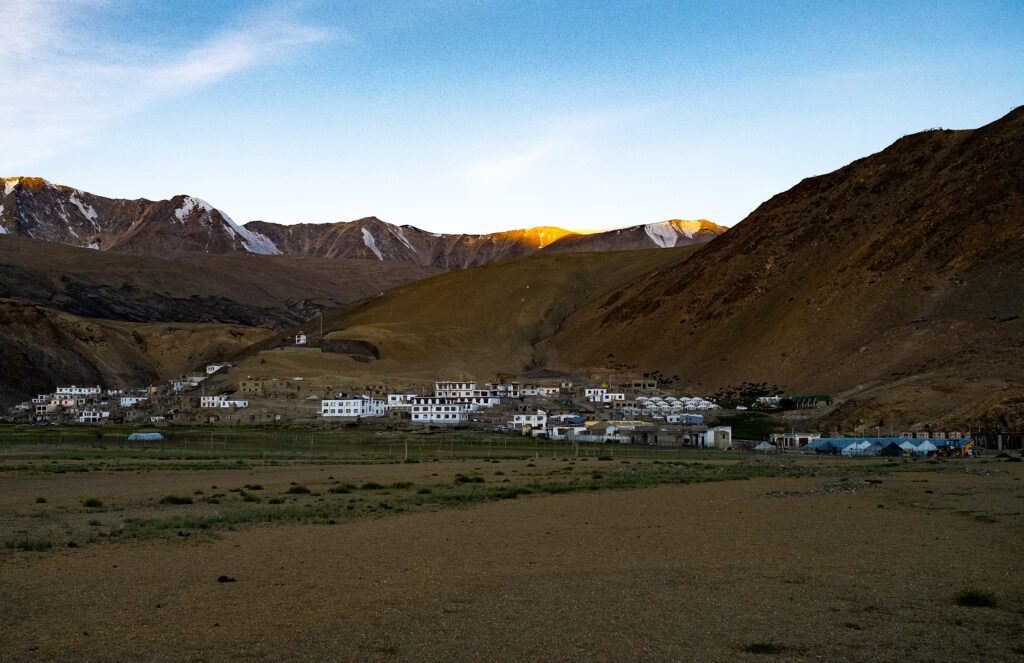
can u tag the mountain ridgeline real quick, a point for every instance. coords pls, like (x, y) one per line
(32, 207)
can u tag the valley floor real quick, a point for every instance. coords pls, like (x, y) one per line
(809, 559)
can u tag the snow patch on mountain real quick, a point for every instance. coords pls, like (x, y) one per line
(253, 241)
(9, 185)
(371, 243)
(662, 234)
(86, 210)
(401, 237)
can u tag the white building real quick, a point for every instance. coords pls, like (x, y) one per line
(595, 394)
(132, 401)
(221, 401)
(400, 402)
(213, 368)
(300, 338)
(92, 416)
(434, 410)
(364, 406)
(79, 391)
(525, 421)
(612, 397)
(508, 390)
(451, 389)
(212, 401)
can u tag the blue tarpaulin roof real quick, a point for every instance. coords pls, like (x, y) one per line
(843, 442)
(145, 437)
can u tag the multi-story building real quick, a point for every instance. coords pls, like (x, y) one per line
(363, 406)
(436, 410)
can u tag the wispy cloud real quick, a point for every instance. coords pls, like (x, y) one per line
(62, 87)
(553, 139)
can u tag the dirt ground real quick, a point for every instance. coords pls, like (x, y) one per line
(800, 568)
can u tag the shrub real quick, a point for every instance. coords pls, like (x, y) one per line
(34, 545)
(371, 485)
(976, 598)
(40, 500)
(250, 498)
(340, 489)
(297, 489)
(461, 478)
(424, 491)
(253, 486)
(275, 500)
(402, 484)
(175, 499)
(92, 503)
(764, 648)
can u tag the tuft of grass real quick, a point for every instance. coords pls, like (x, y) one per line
(462, 478)
(92, 503)
(399, 485)
(297, 489)
(40, 500)
(275, 500)
(250, 498)
(253, 486)
(974, 597)
(424, 491)
(764, 648)
(341, 489)
(32, 545)
(371, 485)
(175, 499)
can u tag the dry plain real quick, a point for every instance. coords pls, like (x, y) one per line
(661, 557)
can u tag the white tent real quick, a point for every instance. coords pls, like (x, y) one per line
(926, 447)
(765, 446)
(908, 446)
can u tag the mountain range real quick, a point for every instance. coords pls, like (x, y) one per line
(33, 207)
(895, 283)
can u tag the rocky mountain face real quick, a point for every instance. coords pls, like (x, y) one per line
(35, 208)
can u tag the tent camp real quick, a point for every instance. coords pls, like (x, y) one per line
(145, 437)
(926, 447)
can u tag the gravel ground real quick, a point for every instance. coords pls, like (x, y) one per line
(701, 572)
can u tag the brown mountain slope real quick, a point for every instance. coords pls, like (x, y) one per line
(269, 291)
(899, 277)
(43, 348)
(473, 322)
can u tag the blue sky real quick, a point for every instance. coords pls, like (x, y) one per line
(479, 116)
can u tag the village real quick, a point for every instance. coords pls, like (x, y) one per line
(631, 411)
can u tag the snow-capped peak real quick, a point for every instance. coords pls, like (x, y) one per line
(188, 205)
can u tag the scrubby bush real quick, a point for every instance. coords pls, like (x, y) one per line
(976, 598)
(175, 499)
(92, 503)
(297, 489)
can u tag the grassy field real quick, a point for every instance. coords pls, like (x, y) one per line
(72, 486)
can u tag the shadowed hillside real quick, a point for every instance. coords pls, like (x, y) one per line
(44, 348)
(269, 291)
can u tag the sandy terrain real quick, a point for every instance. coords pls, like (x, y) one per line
(693, 572)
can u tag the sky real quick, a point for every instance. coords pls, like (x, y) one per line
(479, 116)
